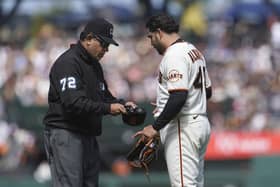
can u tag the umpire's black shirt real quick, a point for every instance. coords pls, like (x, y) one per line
(78, 94)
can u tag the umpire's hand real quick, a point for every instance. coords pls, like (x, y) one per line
(117, 108)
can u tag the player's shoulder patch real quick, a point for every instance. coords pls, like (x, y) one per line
(174, 75)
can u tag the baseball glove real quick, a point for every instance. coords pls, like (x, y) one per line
(134, 116)
(144, 152)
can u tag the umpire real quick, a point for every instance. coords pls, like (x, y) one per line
(78, 98)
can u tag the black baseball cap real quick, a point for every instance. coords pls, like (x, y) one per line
(101, 28)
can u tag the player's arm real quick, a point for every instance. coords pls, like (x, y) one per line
(209, 92)
(173, 106)
(208, 85)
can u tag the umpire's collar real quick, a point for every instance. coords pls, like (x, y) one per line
(85, 56)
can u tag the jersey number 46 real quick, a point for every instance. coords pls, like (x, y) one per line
(200, 82)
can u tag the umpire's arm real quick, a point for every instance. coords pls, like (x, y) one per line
(72, 93)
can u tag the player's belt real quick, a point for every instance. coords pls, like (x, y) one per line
(191, 117)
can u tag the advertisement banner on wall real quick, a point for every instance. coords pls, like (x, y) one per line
(242, 145)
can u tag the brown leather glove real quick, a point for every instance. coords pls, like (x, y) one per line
(144, 152)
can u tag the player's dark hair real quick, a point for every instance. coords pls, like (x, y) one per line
(164, 22)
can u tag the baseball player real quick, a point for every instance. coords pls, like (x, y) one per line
(183, 89)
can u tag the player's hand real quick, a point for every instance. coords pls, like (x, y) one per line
(148, 131)
(117, 108)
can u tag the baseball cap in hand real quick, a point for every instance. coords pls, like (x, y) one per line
(101, 28)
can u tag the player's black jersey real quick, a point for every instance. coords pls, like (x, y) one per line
(78, 94)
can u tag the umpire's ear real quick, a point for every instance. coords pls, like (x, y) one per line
(160, 32)
(84, 36)
(89, 36)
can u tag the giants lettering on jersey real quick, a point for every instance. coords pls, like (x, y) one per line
(195, 55)
(174, 75)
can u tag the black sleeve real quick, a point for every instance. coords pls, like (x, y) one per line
(72, 93)
(173, 106)
(209, 92)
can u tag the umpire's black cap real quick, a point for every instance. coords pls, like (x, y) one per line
(101, 28)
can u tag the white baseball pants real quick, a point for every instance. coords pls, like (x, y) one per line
(185, 140)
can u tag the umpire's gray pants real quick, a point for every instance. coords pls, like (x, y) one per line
(73, 158)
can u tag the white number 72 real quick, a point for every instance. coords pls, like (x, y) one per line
(70, 82)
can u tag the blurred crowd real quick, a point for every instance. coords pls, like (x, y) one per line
(243, 60)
